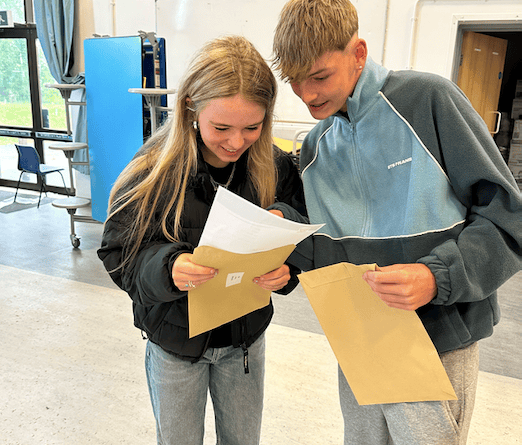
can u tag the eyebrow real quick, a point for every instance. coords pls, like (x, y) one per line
(216, 124)
(319, 71)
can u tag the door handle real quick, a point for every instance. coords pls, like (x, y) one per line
(497, 127)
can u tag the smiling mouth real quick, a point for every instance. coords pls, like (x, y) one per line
(229, 151)
(317, 106)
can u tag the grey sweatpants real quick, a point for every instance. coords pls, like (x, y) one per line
(418, 423)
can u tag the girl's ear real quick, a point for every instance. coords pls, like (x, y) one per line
(189, 103)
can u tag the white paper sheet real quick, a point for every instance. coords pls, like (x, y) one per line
(236, 225)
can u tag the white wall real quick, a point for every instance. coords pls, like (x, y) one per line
(123, 17)
(188, 24)
(401, 34)
(432, 45)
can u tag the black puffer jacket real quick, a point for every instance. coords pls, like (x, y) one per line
(160, 308)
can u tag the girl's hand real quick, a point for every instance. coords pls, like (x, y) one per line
(188, 275)
(275, 280)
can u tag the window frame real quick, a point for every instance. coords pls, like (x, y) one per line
(37, 132)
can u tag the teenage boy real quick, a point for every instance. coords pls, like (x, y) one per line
(405, 174)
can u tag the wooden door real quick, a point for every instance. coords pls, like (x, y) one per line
(480, 73)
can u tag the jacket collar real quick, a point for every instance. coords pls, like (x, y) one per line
(366, 91)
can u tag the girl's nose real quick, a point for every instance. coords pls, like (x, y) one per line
(237, 140)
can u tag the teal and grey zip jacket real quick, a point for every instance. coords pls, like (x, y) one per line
(411, 174)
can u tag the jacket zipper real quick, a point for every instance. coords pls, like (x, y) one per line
(362, 187)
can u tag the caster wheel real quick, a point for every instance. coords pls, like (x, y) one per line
(75, 242)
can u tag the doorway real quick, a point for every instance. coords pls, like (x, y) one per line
(511, 73)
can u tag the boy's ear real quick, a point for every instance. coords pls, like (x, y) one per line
(361, 51)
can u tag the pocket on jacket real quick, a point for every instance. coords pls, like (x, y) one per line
(458, 324)
(445, 326)
(150, 318)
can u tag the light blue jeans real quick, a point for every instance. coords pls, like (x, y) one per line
(178, 391)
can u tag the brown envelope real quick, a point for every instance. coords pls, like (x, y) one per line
(385, 353)
(231, 294)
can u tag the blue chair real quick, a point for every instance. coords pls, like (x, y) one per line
(29, 162)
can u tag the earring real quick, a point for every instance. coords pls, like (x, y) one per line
(195, 125)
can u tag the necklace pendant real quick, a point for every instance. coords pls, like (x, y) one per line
(216, 184)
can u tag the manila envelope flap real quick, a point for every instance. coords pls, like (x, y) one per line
(385, 353)
(231, 294)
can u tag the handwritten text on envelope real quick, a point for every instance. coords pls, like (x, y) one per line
(231, 294)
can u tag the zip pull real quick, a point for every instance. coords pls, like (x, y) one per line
(245, 358)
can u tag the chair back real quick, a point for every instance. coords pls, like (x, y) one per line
(28, 159)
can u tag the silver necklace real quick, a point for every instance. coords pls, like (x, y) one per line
(216, 184)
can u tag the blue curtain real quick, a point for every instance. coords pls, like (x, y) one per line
(55, 28)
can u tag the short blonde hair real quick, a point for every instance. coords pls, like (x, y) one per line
(306, 30)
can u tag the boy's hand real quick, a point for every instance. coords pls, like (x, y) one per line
(403, 286)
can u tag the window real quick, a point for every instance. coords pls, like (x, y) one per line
(30, 113)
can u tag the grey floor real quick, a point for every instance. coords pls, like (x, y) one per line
(72, 363)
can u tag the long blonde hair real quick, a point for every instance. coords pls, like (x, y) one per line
(154, 184)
